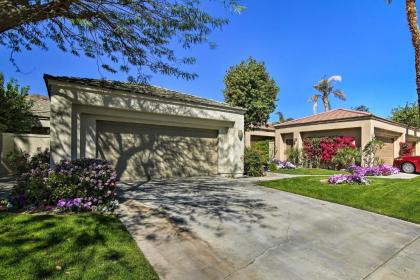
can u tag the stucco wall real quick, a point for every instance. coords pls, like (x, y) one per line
(29, 143)
(75, 110)
(363, 130)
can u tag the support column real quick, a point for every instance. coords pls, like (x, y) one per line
(61, 127)
(367, 134)
(279, 145)
(297, 140)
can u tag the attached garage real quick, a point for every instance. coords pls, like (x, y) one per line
(145, 131)
(387, 152)
(150, 151)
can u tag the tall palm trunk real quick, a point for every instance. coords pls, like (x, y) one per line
(326, 102)
(415, 37)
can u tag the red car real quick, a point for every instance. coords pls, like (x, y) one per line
(408, 164)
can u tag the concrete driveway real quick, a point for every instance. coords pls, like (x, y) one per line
(214, 228)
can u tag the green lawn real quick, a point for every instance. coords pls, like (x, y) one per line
(82, 246)
(309, 171)
(392, 197)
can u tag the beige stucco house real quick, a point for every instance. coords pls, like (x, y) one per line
(145, 131)
(343, 122)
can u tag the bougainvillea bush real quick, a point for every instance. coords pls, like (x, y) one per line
(320, 151)
(406, 149)
(377, 170)
(348, 179)
(82, 184)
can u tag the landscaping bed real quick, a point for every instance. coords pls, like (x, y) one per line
(78, 246)
(399, 198)
(308, 171)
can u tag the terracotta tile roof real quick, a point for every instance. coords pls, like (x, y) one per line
(40, 105)
(337, 114)
(143, 89)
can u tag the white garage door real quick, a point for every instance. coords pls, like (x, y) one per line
(151, 151)
(387, 151)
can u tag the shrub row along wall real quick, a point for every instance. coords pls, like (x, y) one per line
(29, 143)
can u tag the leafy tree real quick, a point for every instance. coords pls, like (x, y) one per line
(411, 12)
(361, 108)
(123, 33)
(15, 114)
(249, 85)
(326, 87)
(407, 114)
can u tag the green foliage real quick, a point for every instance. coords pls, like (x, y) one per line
(370, 150)
(272, 167)
(346, 156)
(117, 34)
(15, 114)
(253, 163)
(17, 161)
(361, 108)
(408, 114)
(21, 162)
(263, 147)
(295, 156)
(248, 85)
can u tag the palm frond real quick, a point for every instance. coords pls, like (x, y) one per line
(339, 94)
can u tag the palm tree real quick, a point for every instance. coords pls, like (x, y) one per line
(411, 11)
(281, 117)
(325, 87)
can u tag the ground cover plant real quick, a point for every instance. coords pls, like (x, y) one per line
(399, 198)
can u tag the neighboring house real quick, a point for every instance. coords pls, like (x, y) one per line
(362, 126)
(262, 133)
(36, 139)
(145, 131)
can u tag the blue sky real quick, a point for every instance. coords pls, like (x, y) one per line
(367, 42)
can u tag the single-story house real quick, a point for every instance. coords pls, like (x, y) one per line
(145, 131)
(38, 138)
(362, 126)
(262, 133)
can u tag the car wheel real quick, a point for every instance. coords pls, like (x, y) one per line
(408, 167)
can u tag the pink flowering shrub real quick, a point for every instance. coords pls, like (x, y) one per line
(320, 151)
(82, 184)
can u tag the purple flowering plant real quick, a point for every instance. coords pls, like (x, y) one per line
(377, 170)
(81, 184)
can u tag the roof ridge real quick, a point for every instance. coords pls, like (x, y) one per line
(355, 111)
(146, 89)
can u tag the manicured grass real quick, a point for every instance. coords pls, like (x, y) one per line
(392, 197)
(309, 171)
(83, 246)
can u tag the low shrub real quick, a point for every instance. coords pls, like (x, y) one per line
(83, 184)
(295, 156)
(21, 162)
(346, 156)
(253, 163)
